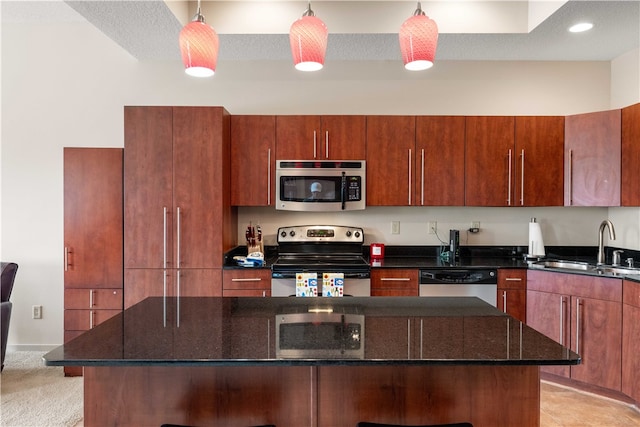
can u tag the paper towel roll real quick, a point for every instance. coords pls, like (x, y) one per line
(536, 245)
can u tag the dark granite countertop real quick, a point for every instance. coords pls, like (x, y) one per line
(241, 332)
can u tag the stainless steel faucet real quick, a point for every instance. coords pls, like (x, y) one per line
(612, 236)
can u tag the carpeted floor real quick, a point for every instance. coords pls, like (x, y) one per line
(34, 395)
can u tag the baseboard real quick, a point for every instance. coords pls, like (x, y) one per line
(31, 347)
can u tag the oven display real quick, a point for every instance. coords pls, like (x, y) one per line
(320, 232)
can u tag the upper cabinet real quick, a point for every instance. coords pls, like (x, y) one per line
(253, 159)
(630, 183)
(320, 137)
(592, 159)
(439, 160)
(391, 142)
(177, 209)
(538, 161)
(489, 154)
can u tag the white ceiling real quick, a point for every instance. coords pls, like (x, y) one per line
(358, 30)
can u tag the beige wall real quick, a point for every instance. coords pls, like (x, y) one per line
(67, 85)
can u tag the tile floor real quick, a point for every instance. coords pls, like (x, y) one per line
(565, 407)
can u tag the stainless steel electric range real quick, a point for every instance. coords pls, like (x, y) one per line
(320, 249)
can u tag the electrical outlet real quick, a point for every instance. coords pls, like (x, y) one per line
(475, 224)
(36, 312)
(395, 227)
(432, 226)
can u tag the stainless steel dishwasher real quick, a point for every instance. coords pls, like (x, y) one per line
(460, 282)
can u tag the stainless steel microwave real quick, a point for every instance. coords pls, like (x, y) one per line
(319, 334)
(320, 186)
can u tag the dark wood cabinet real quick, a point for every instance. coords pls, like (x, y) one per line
(439, 161)
(246, 283)
(592, 159)
(631, 339)
(630, 172)
(583, 313)
(489, 154)
(391, 157)
(512, 292)
(387, 282)
(93, 242)
(538, 161)
(320, 137)
(253, 160)
(178, 213)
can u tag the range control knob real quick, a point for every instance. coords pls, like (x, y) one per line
(348, 233)
(283, 234)
(357, 234)
(292, 233)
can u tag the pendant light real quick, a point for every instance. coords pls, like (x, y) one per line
(199, 47)
(418, 41)
(308, 37)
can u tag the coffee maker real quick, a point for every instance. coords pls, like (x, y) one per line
(454, 245)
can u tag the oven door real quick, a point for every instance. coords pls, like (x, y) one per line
(283, 284)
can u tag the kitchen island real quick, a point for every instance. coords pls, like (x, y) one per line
(289, 362)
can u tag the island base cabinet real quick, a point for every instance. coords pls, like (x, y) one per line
(312, 396)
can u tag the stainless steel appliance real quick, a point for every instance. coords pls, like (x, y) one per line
(460, 282)
(320, 186)
(320, 332)
(320, 249)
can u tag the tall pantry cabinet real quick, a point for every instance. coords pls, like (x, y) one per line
(92, 239)
(178, 219)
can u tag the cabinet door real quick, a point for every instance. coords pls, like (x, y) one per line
(630, 351)
(548, 314)
(253, 155)
(200, 157)
(95, 299)
(343, 138)
(539, 157)
(592, 159)
(489, 174)
(93, 217)
(377, 333)
(512, 292)
(630, 180)
(148, 175)
(390, 160)
(297, 137)
(199, 282)
(596, 335)
(83, 320)
(394, 282)
(439, 166)
(145, 282)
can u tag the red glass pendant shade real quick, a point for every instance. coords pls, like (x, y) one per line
(308, 37)
(199, 48)
(418, 41)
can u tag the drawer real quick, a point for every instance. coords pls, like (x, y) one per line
(83, 320)
(97, 299)
(512, 278)
(246, 279)
(631, 293)
(246, 292)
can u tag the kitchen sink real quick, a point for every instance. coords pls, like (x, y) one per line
(587, 267)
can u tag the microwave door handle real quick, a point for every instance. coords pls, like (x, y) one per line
(343, 191)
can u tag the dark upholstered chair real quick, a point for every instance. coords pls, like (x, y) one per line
(8, 275)
(366, 424)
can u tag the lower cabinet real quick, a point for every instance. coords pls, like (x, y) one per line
(583, 313)
(512, 292)
(631, 340)
(246, 283)
(386, 282)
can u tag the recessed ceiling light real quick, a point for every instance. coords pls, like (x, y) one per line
(583, 26)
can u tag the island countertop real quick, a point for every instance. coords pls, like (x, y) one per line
(217, 331)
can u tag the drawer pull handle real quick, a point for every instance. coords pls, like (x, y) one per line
(248, 279)
(513, 279)
(386, 279)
